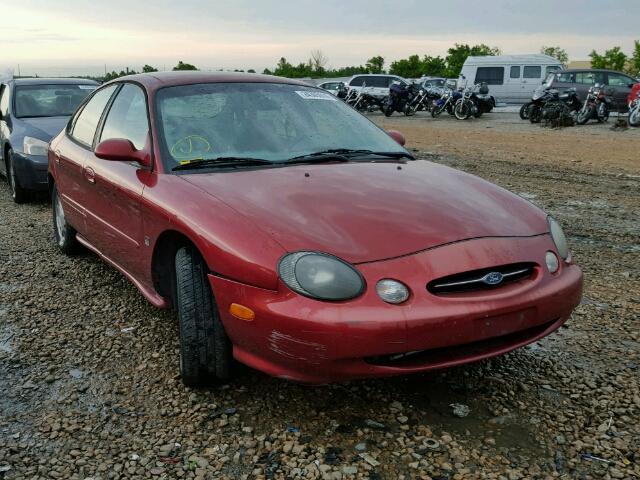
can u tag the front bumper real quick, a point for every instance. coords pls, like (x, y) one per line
(317, 342)
(31, 171)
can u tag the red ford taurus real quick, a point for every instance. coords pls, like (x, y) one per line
(292, 234)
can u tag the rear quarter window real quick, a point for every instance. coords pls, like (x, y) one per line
(490, 75)
(532, 72)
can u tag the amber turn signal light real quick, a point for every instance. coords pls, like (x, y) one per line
(242, 312)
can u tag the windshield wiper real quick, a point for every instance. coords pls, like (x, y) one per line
(198, 163)
(345, 154)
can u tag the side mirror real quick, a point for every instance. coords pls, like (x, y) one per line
(121, 150)
(397, 136)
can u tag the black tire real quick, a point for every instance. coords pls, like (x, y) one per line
(634, 117)
(63, 233)
(205, 349)
(462, 110)
(535, 114)
(388, 111)
(524, 111)
(18, 194)
(584, 115)
(436, 111)
(603, 113)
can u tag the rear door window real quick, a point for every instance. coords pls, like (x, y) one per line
(357, 82)
(619, 80)
(532, 71)
(85, 124)
(490, 75)
(515, 72)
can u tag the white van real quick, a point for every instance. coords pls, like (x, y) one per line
(376, 84)
(511, 78)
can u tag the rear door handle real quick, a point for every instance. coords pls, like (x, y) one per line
(89, 174)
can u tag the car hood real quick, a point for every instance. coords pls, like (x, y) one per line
(44, 128)
(364, 212)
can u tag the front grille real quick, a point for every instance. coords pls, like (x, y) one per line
(484, 279)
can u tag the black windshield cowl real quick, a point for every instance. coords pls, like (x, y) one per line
(346, 154)
(220, 162)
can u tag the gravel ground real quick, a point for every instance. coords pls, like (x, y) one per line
(89, 384)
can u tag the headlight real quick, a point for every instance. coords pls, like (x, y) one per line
(320, 276)
(33, 146)
(559, 238)
(392, 291)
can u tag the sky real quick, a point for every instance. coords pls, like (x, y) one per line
(77, 37)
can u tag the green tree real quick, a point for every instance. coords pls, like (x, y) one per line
(251, 70)
(149, 69)
(635, 59)
(184, 66)
(614, 59)
(434, 66)
(458, 54)
(558, 53)
(375, 64)
(411, 67)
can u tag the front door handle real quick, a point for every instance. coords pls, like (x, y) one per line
(56, 155)
(89, 174)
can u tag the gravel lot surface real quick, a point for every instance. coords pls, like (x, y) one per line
(88, 369)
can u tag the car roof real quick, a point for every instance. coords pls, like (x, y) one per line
(575, 70)
(376, 75)
(156, 80)
(536, 58)
(54, 81)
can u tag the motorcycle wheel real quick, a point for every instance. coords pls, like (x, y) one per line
(436, 111)
(462, 110)
(388, 111)
(584, 115)
(603, 113)
(535, 114)
(524, 111)
(634, 117)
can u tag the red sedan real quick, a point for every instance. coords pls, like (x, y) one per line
(292, 234)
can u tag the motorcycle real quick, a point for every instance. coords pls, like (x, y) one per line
(421, 102)
(533, 109)
(562, 108)
(363, 101)
(596, 105)
(446, 102)
(475, 101)
(400, 96)
(634, 110)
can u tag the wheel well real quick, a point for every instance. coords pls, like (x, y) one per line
(163, 262)
(50, 183)
(5, 156)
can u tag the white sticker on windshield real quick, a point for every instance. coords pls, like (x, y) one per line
(87, 87)
(311, 95)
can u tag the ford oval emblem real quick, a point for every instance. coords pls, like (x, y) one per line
(493, 278)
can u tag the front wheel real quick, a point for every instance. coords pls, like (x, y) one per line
(436, 111)
(205, 349)
(535, 114)
(524, 111)
(63, 233)
(634, 117)
(18, 194)
(462, 110)
(584, 115)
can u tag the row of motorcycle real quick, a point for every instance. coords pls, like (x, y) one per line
(409, 99)
(564, 107)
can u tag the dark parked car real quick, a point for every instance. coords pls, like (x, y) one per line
(292, 234)
(582, 80)
(32, 112)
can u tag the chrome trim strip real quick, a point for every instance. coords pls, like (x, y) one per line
(479, 280)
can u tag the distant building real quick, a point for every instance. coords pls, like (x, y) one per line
(579, 64)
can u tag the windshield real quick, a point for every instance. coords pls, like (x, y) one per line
(274, 122)
(49, 100)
